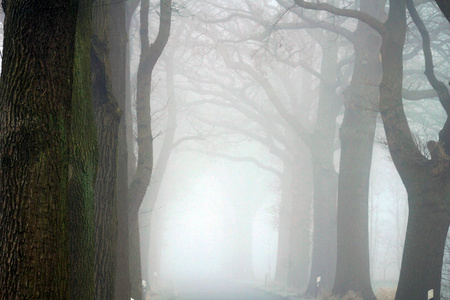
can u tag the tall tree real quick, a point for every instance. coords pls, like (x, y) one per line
(426, 179)
(141, 179)
(356, 135)
(107, 118)
(151, 262)
(118, 37)
(83, 163)
(35, 113)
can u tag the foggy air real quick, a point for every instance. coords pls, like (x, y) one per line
(212, 149)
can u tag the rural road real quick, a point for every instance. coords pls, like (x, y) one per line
(223, 290)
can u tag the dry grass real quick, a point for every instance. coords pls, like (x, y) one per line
(386, 293)
(351, 295)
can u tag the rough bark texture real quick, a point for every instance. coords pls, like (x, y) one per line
(82, 164)
(118, 54)
(107, 114)
(35, 110)
(138, 187)
(323, 261)
(425, 240)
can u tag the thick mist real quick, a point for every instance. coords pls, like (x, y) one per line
(212, 149)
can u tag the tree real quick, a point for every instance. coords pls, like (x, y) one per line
(425, 178)
(152, 240)
(107, 118)
(141, 179)
(119, 54)
(35, 113)
(83, 153)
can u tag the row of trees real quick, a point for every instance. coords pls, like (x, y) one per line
(256, 68)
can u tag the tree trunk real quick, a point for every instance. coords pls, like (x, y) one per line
(426, 180)
(107, 120)
(323, 262)
(118, 54)
(352, 268)
(357, 135)
(83, 163)
(35, 115)
(138, 187)
(423, 252)
(159, 170)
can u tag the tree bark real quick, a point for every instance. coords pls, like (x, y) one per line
(82, 164)
(35, 115)
(107, 118)
(425, 242)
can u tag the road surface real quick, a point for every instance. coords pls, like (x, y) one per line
(220, 290)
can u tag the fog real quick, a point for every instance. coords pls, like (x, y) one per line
(270, 149)
(240, 85)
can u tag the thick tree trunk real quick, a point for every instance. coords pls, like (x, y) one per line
(118, 54)
(107, 114)
(323, 261)
(423, 252)
(352, 268)
(357, 136)
(35, 115)
(426, 180)
(83, 163)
